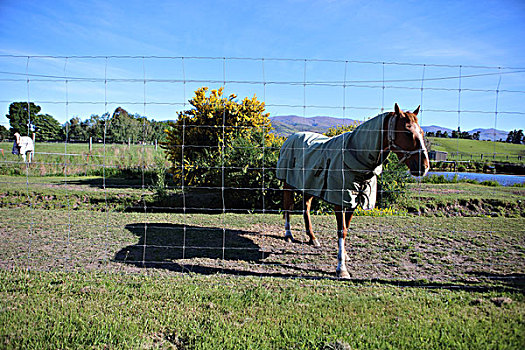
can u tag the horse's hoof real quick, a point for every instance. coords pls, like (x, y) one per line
(288, 239)
(315, 243)
(343, 274)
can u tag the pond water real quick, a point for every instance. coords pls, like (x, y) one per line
(502, 179)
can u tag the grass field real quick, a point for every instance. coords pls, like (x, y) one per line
(52, 158)
(48, 310)
(479, 150)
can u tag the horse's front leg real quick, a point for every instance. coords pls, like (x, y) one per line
(287, 208)
(308, 221)
(343, 222)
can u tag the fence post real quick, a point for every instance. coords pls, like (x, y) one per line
(34, 147)
(155, 144)
(90, 144)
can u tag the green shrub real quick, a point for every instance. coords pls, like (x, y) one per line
(226, 146)
(490, 183)
(249, 178)
(392, 184)
(435, 179)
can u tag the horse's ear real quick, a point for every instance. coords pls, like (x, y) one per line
(416, 111)
(396, 109)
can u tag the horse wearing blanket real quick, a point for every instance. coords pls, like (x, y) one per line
(343, 170)
(24, 146)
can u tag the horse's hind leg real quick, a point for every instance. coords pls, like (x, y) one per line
(343, 221)
(287, 208)
(308, 221)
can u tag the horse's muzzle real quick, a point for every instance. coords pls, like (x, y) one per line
(418, 166)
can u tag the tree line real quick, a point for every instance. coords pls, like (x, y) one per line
(118, 127)
(514, 136)
(455, 134)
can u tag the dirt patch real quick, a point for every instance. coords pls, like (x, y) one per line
(470, 250)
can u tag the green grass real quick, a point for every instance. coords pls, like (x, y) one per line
(48, 310)
(52, 159)
(464, 199)
(77, 148)
(473, 149)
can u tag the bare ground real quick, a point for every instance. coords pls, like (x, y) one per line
(440, 250)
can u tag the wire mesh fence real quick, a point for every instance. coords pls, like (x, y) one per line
(125, 207)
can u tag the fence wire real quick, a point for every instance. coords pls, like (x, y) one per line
(103, 208)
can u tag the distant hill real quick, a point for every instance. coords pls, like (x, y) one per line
(434, 128)
(491, 134)
(484, 134)
(288, 124)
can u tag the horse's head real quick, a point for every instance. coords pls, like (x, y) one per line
(405, 139)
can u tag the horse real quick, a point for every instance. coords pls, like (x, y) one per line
(343, 170)
(24, 146)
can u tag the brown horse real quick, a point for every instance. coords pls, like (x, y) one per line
(342, 170)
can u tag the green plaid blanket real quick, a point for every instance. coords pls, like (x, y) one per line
(341, 170)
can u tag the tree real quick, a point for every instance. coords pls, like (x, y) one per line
(157, 132)
(515, 136)
(47, 128)
(74, 130)
(519, 137)
(95, 126)
(123, 127)
(22, 117)
(4, 133)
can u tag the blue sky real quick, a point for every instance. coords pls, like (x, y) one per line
(345, 44)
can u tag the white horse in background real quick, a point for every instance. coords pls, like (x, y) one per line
(24, 146)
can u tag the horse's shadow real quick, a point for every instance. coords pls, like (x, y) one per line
(202, 250)
(183, 247)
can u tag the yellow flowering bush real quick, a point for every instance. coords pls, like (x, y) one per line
(222, 143)
(340, 129)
